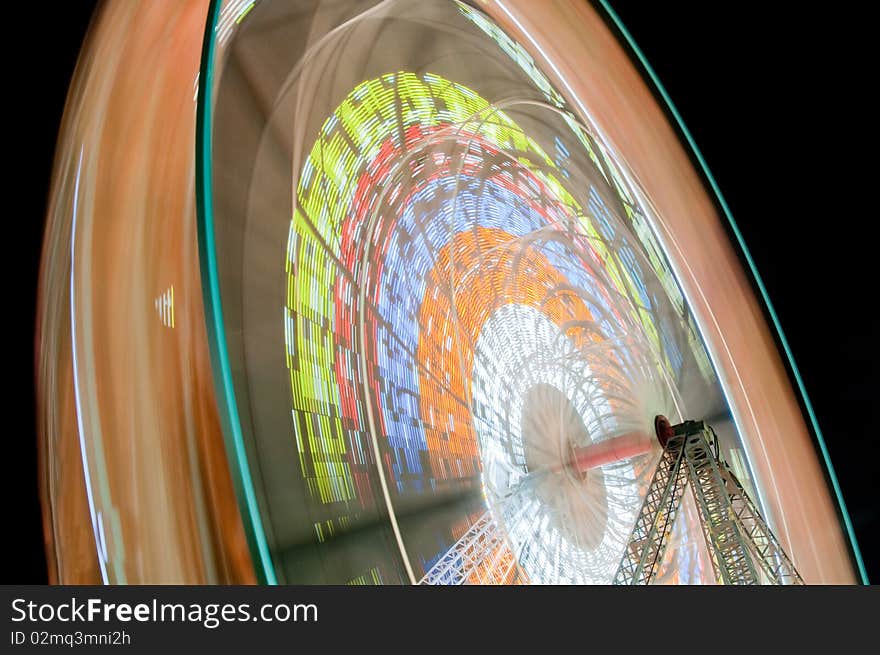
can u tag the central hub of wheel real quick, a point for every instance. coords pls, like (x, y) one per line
(551, 429)
(663, 429)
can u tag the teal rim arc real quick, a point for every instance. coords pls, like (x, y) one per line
(221, 366)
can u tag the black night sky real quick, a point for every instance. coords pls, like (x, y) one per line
(775, 96)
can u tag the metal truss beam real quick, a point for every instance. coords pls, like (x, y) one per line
(650, 534)
(481, 555)
(741, 545)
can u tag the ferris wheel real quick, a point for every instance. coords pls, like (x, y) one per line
(338, 292)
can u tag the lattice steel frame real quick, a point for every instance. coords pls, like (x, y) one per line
(649, 538)
(741, 545)
(766, 549)
(481, 555)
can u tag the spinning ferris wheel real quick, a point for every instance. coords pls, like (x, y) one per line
(397, 292)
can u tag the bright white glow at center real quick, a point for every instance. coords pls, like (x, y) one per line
(543, 512)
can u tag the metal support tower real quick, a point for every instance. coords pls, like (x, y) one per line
(648, 540)
(740, 543)
(481, 555)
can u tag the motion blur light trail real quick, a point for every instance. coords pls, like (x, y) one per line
(444, 264)
(479, 311)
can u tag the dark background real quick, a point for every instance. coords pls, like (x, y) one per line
(777, 99)
(774, 95)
